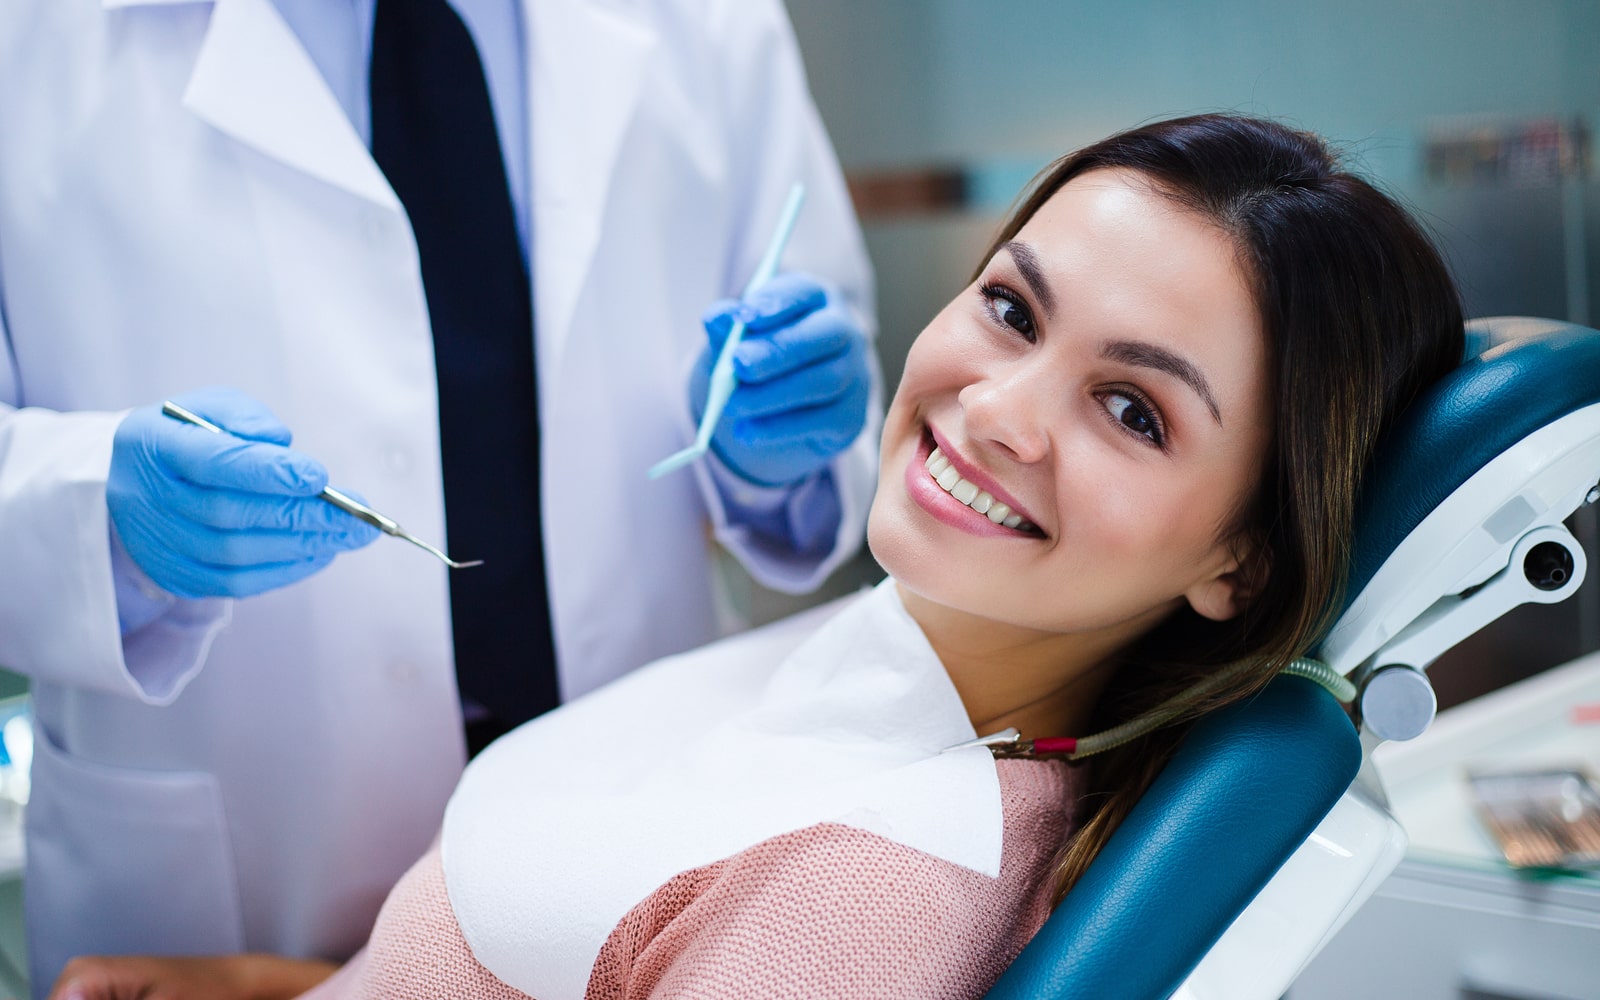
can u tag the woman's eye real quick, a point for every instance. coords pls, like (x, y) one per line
(1007, 309)
(1134, 414)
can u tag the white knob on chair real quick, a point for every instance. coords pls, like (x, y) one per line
(1397, 703)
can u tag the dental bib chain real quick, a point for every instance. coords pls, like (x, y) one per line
(1010, 744)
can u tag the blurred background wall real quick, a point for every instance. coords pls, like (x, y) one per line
(1475, 113)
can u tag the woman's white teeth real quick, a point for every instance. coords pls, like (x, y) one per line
(968, 493)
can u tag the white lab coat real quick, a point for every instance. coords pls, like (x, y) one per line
(183, 203)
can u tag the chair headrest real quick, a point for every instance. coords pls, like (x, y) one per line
(1536, 372)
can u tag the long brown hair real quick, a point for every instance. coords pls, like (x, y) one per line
(1360, 314)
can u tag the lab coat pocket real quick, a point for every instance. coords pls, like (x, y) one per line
(136, 861)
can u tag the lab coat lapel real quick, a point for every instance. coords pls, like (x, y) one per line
(586, 64)
(254, 81)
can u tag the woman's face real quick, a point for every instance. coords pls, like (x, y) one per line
(1106, 380)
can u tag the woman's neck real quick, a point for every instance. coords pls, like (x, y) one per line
(1043, 683)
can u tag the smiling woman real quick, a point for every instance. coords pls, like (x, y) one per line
(1116, 483)
(1107, 377)
(1254, 316)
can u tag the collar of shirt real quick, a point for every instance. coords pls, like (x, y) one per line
(337, 35)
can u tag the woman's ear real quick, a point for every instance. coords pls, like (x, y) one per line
(1240, 581)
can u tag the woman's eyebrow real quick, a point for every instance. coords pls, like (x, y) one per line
(1147, 355)
(1028, 263)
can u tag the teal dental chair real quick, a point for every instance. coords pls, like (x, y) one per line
(1267, 831)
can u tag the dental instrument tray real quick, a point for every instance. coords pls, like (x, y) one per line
(1540, 819)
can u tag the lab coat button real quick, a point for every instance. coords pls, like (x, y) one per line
(403, 672)
(399, 461)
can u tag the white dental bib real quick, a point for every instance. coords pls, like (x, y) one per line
(838, 714)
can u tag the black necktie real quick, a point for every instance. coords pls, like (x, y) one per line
(433, 134)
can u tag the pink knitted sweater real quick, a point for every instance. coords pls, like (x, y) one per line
(824, 912)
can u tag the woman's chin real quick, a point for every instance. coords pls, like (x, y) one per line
(889, 539)
(910, 559)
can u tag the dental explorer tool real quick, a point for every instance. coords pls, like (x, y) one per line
(345, 503)
(722, 377)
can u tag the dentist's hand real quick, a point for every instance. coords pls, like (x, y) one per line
(222, 515)
(802, 381)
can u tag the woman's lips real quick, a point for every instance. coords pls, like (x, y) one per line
(937, 501)
(973, 475)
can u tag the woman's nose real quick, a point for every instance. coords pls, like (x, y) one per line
(1007, 411)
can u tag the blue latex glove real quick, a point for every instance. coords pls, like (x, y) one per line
(803, 381)
(222, 515)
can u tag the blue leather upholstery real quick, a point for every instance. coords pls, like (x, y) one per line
(1251, 782)
(1174, 876)
(1542, 370)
